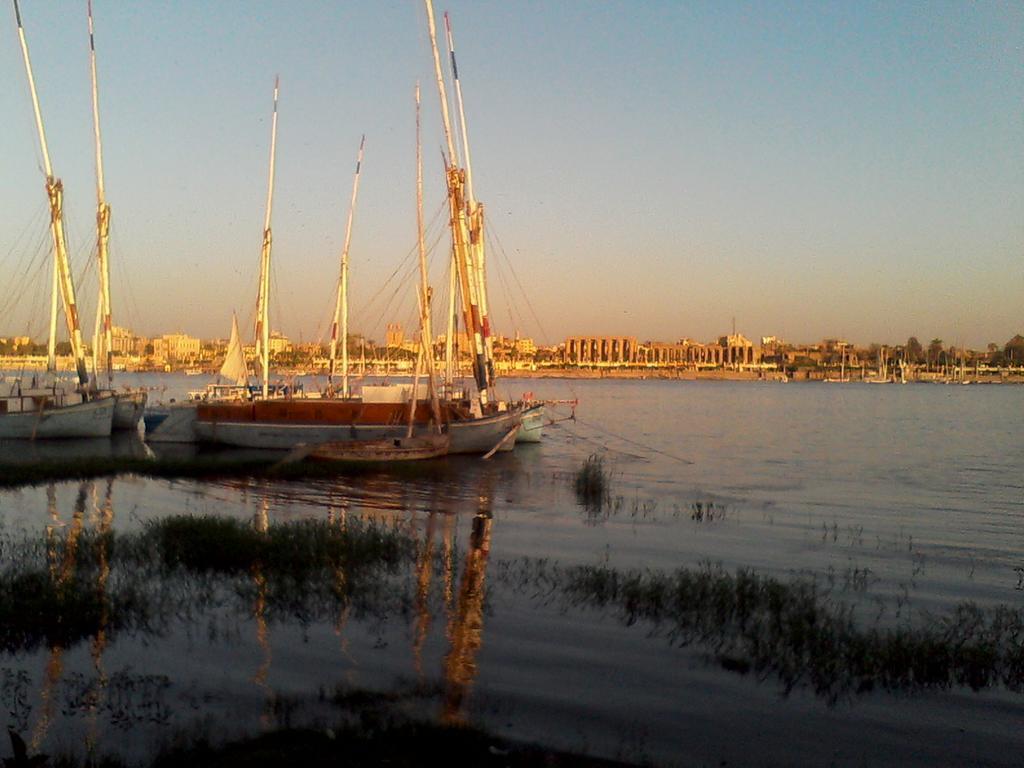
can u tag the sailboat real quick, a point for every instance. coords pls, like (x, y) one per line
(882, 376)
(54, 411)
(474, 425)
(129, 404)
(233, 377)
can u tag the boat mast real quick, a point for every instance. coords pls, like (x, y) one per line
(460, 231)
(103, 316)
(341, 305)
(474, 212)
(62, 278)
(263, 299)
(426, 332)
(449, 341)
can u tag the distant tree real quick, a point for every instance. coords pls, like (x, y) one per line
(1014, 350)
(545, 356)
(914, 351)
(934, 351)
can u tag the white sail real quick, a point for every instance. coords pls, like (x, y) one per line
(234, 367)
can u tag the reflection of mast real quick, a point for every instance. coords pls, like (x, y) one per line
(465, 627)
(62, 568)
(261, 523)
(424, 570)
(104, 523)
(339, 517)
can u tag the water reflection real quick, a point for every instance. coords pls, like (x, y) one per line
(261, 522)
(61, 569)
(103, 520)
(118, 445)
(466, 622)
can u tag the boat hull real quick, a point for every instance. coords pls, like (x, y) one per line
(129, 409)
(532, 427)
(471, 436)
(173, 424)
(380, 451)
(281, 425)
(93, 418)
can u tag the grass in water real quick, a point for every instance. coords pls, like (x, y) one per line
(67, 588)
(592, 484)
(754, 623)
(60, 589)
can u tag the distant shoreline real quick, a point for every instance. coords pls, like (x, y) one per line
(803, 375)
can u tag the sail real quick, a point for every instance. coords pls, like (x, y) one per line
(234, 367)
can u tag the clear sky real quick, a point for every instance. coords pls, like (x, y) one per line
(650, 168)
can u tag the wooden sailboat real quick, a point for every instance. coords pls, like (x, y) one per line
(408, 447)
(129, 404)
(532, 415)
(474, 425)
(53, 411)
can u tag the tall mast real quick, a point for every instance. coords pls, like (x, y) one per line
(341, 305)
(460, 231)
(62, 270)
(426, 333)
(103, 316)
(449, 340)
(474, 212)
(263, 299)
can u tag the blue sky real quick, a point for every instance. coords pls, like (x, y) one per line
(651, 169)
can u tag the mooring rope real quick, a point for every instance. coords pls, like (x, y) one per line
(624, 439)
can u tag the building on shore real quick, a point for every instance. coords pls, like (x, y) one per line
(176, 348)
(393, 335)
(731, 351)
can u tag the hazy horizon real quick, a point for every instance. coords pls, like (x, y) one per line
(651, 170)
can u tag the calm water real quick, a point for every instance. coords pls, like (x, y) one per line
(905, 499)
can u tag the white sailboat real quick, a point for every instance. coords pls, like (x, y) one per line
(54, 411)
(129, 404)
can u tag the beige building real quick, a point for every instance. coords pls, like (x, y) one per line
(525, 347)
(393, 335)
(278, 343)
(176, 347)
(126, 343)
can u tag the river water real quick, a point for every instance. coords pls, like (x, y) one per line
(902, 501)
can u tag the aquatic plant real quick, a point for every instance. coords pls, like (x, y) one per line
(179, 567)
(189, 569)
(751, 622)
(592, 483)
